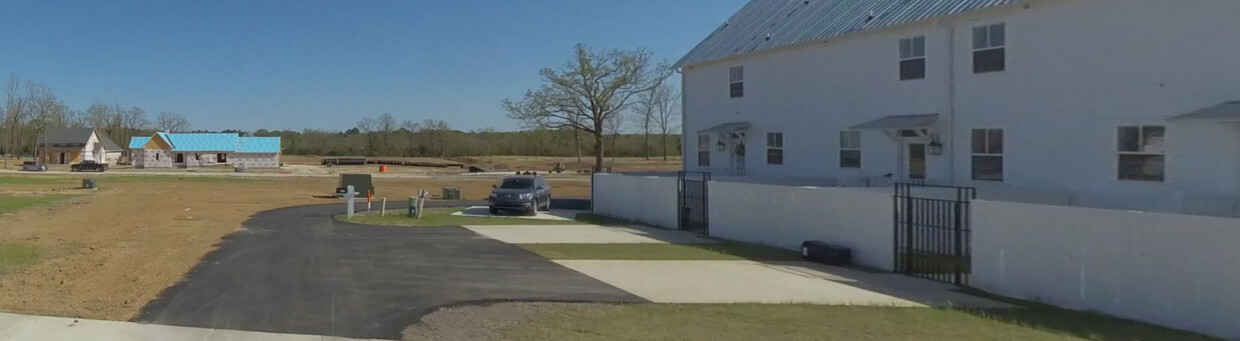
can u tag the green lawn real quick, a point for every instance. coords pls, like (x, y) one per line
(653, 251)
(828, 323)
(103, 180)
(34, 180)
(15, 256)
(442, 217)
(11, 203)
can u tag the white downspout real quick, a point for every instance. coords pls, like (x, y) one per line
(951, 103)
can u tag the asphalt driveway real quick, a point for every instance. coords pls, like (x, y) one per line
(296, 270)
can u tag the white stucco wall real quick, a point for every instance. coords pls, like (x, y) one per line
(156, 158)
(785, 216)
(1175, 270)
(1076, 71)
(646, 199)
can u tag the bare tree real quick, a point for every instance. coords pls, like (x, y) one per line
(134, 121)
(665, 100)
(386, 124)
(587, 90)
(98, 115)
(75, 118)
(169, 122)
(45, 110)
(614, 125)
(411, 127)
(15, 113)
(643, 116)
(437, 132)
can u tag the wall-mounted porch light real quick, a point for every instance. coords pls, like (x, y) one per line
(934, 147)
(720, 146)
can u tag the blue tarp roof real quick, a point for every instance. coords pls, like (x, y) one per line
(213, 142)
(258, 145)
(138, 141)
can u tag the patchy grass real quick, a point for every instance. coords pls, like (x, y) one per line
(14, 256)
(34, 180)
(11, 203)
(819, 322)
(660, 251)
(443, 217)
(102, 180)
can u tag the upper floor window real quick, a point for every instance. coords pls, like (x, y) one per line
(850, 149)
(703, 148)
(775, 148)
(990, 48)
(988, 154)
(736, 82)
(913, 58)
(1142, 153)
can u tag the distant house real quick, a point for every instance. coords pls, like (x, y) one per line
(189, 150)
(59, 146)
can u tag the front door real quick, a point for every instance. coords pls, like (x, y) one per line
(916, 161)
(738, 160)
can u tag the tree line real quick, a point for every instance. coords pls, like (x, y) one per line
(31, 108)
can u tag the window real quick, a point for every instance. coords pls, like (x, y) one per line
(1141, 153)
(221, 157)
(989, 48)
(736, 79)
(988, 154)
(913, 58)
(156, 156)
(704, 150)
(850, 149)
(775, 148)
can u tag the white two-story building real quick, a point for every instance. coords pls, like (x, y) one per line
(1110, 103)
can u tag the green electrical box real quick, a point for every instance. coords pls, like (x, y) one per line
(88, 183)
(451, 193)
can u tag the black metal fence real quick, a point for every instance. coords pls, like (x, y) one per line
(932, 231)
(692, 201)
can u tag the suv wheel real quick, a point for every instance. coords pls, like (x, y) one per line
(534, 208)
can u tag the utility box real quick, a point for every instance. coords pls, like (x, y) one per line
(451, 193)
(88, 183)
(361, 184)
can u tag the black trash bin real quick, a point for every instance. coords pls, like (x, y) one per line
(821, 252)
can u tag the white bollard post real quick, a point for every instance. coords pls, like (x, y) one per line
(348, 194)
(382, 206)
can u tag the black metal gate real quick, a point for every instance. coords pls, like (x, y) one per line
(932, 231)
(692, 201)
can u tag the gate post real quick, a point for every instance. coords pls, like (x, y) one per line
(958, 231)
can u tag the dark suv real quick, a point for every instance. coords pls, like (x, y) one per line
(528, 194)
(88, 166)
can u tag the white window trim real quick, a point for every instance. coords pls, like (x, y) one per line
(856, 148)
(740, 80)
(987, 152)
(913, 55)
(988, 46)
(703, 148)
(1141, 144)
(780, 148)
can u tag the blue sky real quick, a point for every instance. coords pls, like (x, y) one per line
(325, 64)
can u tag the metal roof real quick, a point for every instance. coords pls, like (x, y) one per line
(137, 142)
(900, 122)
(108, 144)
(258, 145)
(769, 24)
(1228, 111)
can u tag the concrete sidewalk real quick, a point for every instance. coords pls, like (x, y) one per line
(771, 282)
(14, 327)
(586, 234)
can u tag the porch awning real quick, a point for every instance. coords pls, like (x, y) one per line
(900, 122)
(1226, 112)
(730, 127)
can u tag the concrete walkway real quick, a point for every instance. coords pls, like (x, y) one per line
(14, 327)
(586, 234)
(484, 211)
(771, 282)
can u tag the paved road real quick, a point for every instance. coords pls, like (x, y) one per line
(295, 270)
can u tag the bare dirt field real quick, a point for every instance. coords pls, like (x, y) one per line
(308, 164)
(108, 252)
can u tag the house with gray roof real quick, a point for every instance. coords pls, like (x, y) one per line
(1110, 103)
(60, 146)
(193, 150)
